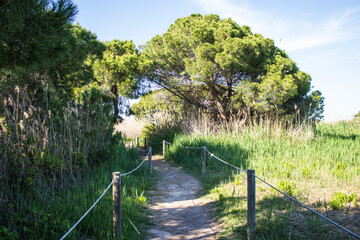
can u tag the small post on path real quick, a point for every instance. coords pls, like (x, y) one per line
(137, 141)
(145, 143)
(203, 160)
(132, 144)
(251, 204)
(163, 148)
(116, 188)
(150, 160)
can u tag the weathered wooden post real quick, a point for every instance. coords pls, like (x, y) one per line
(132, 144)
(203, 160)
(150, 160)
(116, 188)
(137, 141)
(145, 143)
(251, 204)
(163, 148)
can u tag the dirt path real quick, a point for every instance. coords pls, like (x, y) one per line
(177, 211)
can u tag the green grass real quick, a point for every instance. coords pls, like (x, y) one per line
(49, 215)
(307, 162)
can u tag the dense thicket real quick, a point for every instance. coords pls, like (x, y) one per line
(56, 116)
(225, 69)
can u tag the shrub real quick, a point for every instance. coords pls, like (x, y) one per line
(156, 133)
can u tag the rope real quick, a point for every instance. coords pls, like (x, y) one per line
(212, 155)
(68, 232)
(140, 150)
(147, 155)
(311, 210)
(183, 146)
(88, 210)
(153, 142)
(133, 225)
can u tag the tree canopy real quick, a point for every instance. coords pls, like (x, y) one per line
(119, 71)
(224, 68)
(33, 34)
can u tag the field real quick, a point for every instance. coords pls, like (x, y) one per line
(317, 164)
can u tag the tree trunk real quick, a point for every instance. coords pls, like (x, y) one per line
(115, 103)
(220, 106)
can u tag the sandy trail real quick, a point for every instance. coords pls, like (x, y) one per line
(177, 211)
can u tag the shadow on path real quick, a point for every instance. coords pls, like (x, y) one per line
(177, 210)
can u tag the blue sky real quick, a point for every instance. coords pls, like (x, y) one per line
(322, 37)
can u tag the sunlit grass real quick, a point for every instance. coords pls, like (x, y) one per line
(307, 162)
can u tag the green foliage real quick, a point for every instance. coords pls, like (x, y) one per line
(159, 104)
(76, 69)
(155, 134)
(31, 220)
(339, 200)
(119, 71)
(287, 187)
(56, 125)
(224, 68)
(33, 33)
(119, 67)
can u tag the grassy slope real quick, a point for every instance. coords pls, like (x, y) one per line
(52, 216)
(308, 163)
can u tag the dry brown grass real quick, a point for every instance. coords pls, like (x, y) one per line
(130, 127)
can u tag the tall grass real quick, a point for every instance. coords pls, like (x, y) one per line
(309, 162)
(50, 217)
(55, 162)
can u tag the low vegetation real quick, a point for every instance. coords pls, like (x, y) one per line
(317, 164)
(49, 214)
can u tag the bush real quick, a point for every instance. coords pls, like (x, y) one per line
(155, 134)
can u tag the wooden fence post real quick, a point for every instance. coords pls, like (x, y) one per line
(150, 160)
(251, 204)
(145, 143)
(137, 141)
(132, 144)
(163, 148)
(203, 160)
(116, 188)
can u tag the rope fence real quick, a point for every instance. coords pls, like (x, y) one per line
(194, 148)
(251, 193)
(116, 181)
(219, 159)
(116, 184)
(308, 208)
(72, 228)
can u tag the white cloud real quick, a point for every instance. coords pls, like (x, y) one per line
(289, 33)
(332, 30)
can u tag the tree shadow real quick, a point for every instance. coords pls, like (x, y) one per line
(216, 171)
(351, 137)
(278, 217)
